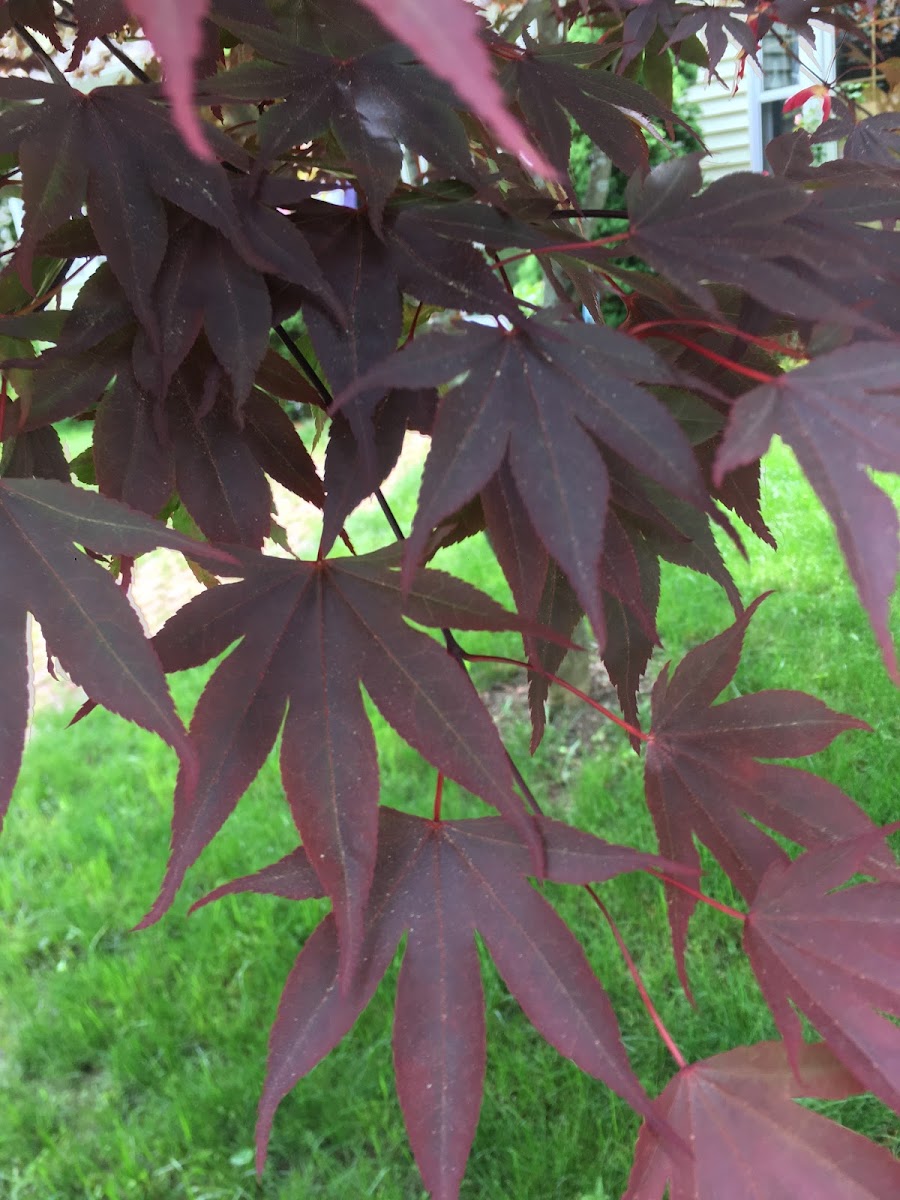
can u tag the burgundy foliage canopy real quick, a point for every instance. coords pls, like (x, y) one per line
(228, 287)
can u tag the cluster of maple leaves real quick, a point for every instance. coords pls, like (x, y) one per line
(585, 453)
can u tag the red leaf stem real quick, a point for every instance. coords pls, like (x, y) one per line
(730, 912)
(770, 344)
(657, 1020)
(721, 359)
(563, 248)
(438, 797)
(570, 687)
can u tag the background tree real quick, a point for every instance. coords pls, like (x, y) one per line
(587, 454)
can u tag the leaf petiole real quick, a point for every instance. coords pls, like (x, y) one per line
(724, 908)
(569, 687)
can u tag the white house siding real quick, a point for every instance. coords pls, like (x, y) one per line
(731, 120)
(724, 119)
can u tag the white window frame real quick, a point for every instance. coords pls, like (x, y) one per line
(817, 63)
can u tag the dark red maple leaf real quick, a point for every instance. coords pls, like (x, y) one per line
(437, 263)
(550, 397)
(95, 18)
(204, 282)
(833, 953)
(116, 150)
(85, 617)
(745, 230)
(717, 25)
(876, 140)
(193, 443)
(703, 780)
(37, 454)
(751, 1141)
(363, 277)
(442, 881)
(375, 103)
(310, 633)
(39, 15)
(628, 576)
(552, 81)
(840, 415)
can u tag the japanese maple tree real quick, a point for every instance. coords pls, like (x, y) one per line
(227, 286)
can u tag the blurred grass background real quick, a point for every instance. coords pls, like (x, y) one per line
(131, 1064)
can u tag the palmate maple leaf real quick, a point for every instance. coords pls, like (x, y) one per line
(703, 780)
(442, 881)
(375, 103)
(548, 397)
(195, 444)
(84, 615)
(39, 15)
(751, 1141)
(309, 634)
(629, 579)
(117, 151)
(424, 251)
(748, 231)
(95, 18)
(833, 952)
(204, 282)
(840, 414)
(549, 83)
(875, 140)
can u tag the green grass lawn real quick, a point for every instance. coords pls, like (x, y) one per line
(131, 1063)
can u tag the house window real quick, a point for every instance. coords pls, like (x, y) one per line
(788, 64)
(778, 55)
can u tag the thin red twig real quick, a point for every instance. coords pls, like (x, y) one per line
(724, 908)
(570, 687)
(414, 323)
(564, 248)
(638, 981)
(763, 343)
(748, 372)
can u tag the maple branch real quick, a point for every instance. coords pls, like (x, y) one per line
(389, 517)
(327, 399)
(570, 687)
(523, 786)
(40, 53)
(127, 62)
(305, 366)
(501, 269)
(652, 1012)
(724, 908)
